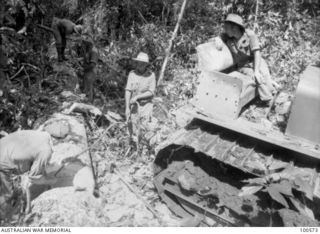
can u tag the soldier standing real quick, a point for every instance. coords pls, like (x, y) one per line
(89, 63)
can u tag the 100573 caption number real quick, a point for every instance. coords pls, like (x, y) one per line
(309, 229)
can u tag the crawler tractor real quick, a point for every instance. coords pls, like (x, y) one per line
(201, 168)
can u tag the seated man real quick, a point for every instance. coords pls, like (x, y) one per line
(245, 49)
(61, 28)
(140, 90)
(21, 152)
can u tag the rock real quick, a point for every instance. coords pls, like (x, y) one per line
(83, 180)
(182, 116)
(187, 182)
(66, 207)
(58, 128)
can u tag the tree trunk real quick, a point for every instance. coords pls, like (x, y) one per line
(174, 34)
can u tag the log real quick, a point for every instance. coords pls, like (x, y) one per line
(44, 27)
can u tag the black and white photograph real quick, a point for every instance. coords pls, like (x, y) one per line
(159, 113)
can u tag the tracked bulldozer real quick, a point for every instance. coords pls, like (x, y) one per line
(199, 170)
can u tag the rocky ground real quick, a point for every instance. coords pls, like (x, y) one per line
(115, 203)
(127, 196)
(38, 87)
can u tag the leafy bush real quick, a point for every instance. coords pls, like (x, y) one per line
(281, 186)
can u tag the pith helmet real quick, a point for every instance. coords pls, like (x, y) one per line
(142, 57)
(236, 19)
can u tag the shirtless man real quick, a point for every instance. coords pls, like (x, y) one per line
(21, 152)
(61, 29)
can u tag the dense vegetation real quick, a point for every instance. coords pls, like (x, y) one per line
(287, 30)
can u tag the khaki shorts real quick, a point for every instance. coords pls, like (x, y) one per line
(140, 118)
(265, 88)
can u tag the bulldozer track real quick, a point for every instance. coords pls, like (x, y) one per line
(219, 221)
(204, 143)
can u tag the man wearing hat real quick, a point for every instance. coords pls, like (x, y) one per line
(245, 49)
(61, 28)
(141, 85)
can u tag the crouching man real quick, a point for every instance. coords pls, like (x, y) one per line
(61, 29)
(26, 151)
